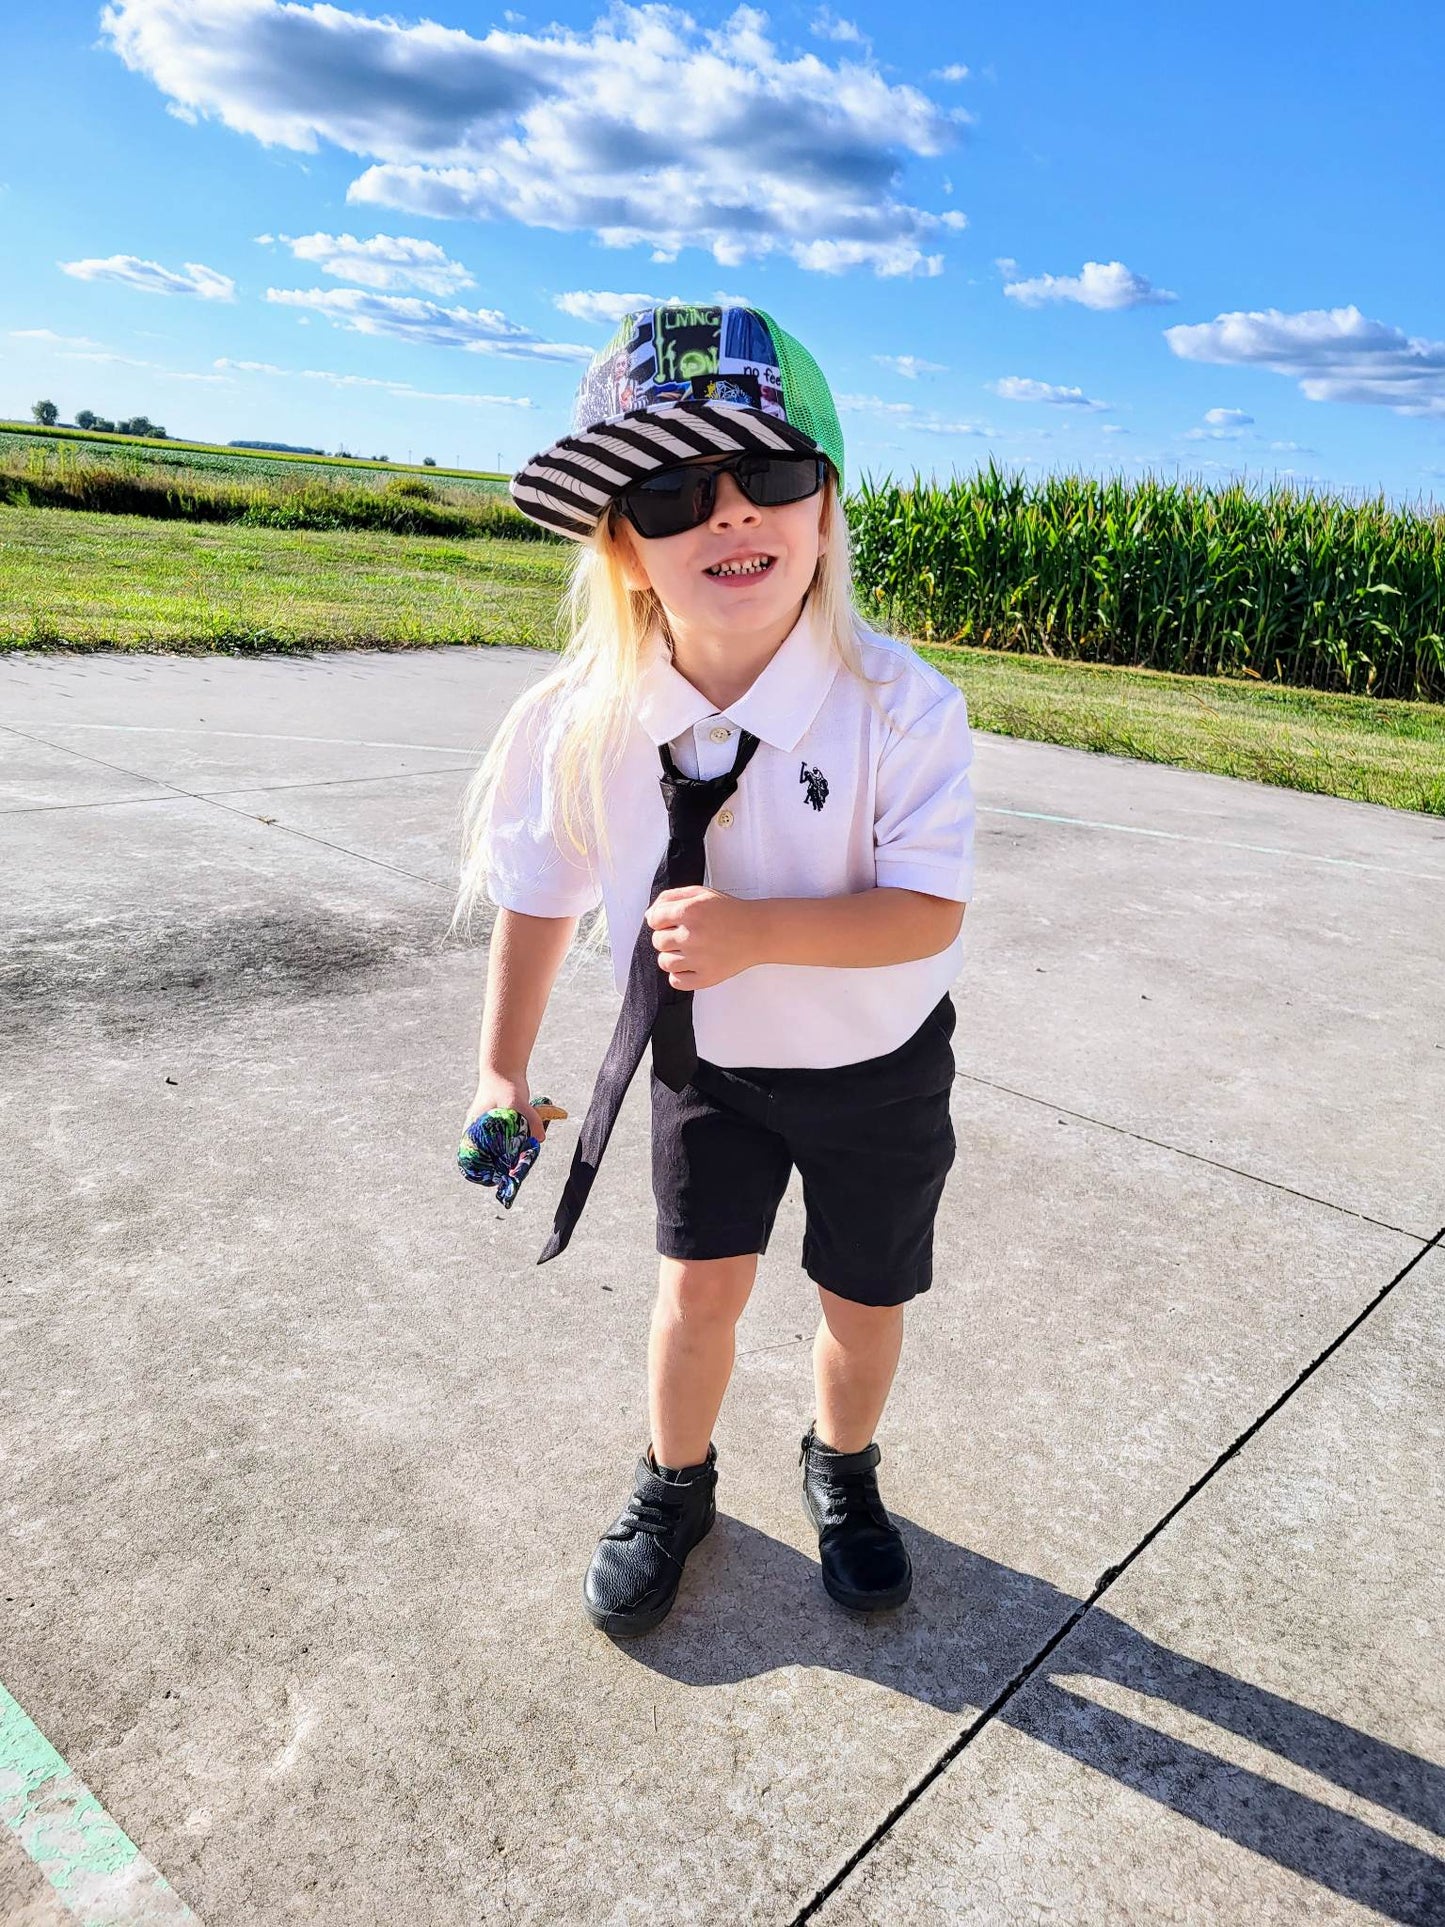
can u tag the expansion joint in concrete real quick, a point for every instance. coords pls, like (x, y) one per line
(1106, 1579)
(1179, 1151)
(174, 794)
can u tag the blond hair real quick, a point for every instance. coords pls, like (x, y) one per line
(590, 697)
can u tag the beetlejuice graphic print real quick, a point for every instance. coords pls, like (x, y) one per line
(680, 354)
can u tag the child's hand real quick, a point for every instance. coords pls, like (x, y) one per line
(701, 936)
(496, 1092)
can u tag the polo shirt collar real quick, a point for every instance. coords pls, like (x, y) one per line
(777, 708)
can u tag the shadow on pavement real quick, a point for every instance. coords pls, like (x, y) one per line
(751, 1604)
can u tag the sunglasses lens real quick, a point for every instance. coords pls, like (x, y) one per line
(680, 498)
(776, 479)
(669, 502)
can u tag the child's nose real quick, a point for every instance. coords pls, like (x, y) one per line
(730, 504)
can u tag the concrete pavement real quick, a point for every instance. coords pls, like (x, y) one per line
(305, 1458)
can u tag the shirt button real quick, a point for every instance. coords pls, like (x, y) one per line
(721, 735)
(724, 818)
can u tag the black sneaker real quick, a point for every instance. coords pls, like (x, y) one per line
(633, 1578)
(865, 1562)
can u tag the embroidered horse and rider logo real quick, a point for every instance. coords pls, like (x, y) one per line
(817, 784)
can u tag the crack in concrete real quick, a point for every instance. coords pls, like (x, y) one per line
(1162, 1144)
(1106, 1579)
(239, 789)
(200, 796)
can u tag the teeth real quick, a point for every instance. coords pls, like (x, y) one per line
(742, 568)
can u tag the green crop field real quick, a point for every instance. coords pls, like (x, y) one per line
(237, 464)
(70, 579)
(1279, 584)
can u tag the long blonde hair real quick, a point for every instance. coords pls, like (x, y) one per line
(595, 688)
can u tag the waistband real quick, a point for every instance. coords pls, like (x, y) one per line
(937, 1026)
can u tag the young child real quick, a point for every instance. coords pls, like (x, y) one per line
(772, 802)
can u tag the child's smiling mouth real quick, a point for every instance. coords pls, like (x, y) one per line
(740, 568)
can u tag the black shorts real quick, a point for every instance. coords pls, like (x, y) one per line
(873, 1143)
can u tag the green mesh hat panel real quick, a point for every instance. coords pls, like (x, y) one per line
(806, 394)
(670, 384)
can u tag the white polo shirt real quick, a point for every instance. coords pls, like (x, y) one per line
(840, 796)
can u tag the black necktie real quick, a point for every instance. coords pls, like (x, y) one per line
(651, 1007)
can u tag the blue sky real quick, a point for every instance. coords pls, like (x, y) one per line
(1129, 237)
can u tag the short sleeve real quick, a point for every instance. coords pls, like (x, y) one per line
(924, 811)
(532, 867)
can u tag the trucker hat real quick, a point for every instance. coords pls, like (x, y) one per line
(674, 383)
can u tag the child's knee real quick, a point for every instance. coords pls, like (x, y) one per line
(852, 1323)
(705, 1291)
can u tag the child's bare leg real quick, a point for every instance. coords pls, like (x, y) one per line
(855, 1355)
(690, 1351)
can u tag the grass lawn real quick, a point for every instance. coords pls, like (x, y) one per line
(106, 581)
(129, 582)
(1373, 751)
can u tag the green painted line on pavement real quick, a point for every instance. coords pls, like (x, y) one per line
(95, 1869)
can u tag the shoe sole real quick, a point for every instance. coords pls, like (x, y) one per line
(626, 1625)
(868, 1602)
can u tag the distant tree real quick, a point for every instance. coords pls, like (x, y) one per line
(103, 426)
(428, 461)
(46, 413)
(141, 425)
(381, 458)
(86, 418)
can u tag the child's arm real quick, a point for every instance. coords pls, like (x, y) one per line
(525, 955)
(879, 926)
(702, 937)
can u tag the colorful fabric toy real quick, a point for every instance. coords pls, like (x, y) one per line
(498, 1149)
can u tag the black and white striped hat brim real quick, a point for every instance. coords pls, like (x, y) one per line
(567, 487)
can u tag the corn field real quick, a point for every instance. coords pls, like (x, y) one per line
(1280, 585)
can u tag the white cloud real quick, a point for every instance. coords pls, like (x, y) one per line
(483, 331)
(827, 26)
(105, 354)
(1025, 388)
(385, 261)
(81, 348)
(1227, 418)
(910, 366)
(872, 405)
(54, 340)
(1335, 354)
(1099, 284)
(606, 309)
(584, 304)
(1112, 428)
(907, 414)
(956, 428)
(643, 129)
(150, 275)
(955, 71)
(403, 389)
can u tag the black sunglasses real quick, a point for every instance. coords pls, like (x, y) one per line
(682, 498)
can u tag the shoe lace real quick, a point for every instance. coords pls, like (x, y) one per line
(850, 1493)
(649, 1512)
